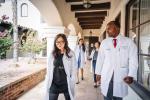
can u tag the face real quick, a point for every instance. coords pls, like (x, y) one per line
(80, 42)
(96, 45)
(60, 43)
(112, 30)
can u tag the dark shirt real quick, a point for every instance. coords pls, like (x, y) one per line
(95, 55)
(59, 83)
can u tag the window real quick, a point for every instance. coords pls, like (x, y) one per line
(24, 10)
(138, 28)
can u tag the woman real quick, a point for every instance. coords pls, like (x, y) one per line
(60, 76)
(93, 56)
(81, 58)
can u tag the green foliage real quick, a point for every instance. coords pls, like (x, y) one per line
(5, 44)
(32, 44)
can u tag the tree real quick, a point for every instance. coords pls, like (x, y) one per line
(32, 45)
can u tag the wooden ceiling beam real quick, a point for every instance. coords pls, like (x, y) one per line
(70, 1)
(97, 23)
(90, 27)
(100, 6)
(90, 20)
(91, 14)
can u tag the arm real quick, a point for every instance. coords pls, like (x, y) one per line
(91, 56)
(85, 56)
(133, 64)
(74, 66)
(133, 60)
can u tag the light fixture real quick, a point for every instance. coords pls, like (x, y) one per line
(87, 4)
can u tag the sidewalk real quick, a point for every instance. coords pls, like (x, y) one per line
(84, 90)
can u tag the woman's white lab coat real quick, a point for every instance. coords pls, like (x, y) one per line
(69, 66)
(83, 56)
(91, 57)
(121, 61)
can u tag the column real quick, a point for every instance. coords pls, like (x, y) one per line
(72, 40)
(50, 34)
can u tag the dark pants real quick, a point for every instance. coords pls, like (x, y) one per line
(53, 96)
(110, 92)
(94, 67)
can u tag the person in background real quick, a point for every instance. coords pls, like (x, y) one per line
(80, 53)
(60, 77)
(117, 63)
(93, 56)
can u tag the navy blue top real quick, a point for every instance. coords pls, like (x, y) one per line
(95, 55)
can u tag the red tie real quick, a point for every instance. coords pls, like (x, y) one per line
(115, 42)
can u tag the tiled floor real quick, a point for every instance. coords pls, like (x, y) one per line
(84, 90)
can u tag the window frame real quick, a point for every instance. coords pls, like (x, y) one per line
(140, 89)
(24, 4)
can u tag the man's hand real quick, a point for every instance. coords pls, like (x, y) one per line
(128, 80)
(98, 78)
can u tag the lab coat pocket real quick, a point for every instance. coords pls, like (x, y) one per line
(124, 56)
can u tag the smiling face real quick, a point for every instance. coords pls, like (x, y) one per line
(60, 43)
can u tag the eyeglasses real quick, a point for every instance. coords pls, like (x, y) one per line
(59, 42)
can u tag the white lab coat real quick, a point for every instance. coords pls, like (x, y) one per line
(69, 66)
(83, 56)
(122, 61)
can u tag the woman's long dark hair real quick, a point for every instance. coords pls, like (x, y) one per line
(83, 45)
(56, 52)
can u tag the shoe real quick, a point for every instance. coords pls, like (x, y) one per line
(77, 82)
(95, 86)
(82, 78)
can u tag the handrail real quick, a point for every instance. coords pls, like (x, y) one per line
(140, 90)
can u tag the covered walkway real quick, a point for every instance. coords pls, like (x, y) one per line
(22, 21)
(84, 90)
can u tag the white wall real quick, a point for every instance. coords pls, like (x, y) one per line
(49, 12)
(33, 20)
(6, 9)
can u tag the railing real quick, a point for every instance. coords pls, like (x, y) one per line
(140, 90)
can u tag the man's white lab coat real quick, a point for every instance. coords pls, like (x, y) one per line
(122, 61)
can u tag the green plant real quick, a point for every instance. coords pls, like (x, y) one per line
(32, 45)
(5, 44)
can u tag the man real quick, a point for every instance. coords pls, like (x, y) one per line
(117, 63)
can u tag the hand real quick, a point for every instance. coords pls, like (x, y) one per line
(128, 80)
(98, 78)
